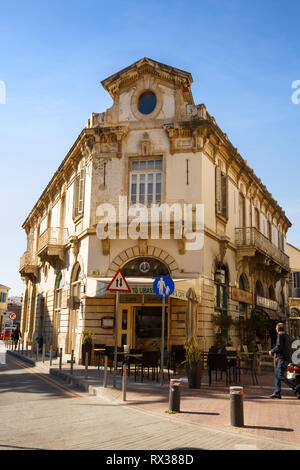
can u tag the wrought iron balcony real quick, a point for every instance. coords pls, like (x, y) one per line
(52, 243)
(28, 264)
(250, 242)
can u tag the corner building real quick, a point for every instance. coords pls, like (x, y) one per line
(154, 145)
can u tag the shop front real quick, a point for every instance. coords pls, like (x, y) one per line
(139, 316)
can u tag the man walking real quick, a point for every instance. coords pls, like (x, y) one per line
(282, 350)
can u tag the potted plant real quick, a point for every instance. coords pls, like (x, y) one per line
(194, 365)
(87, 342)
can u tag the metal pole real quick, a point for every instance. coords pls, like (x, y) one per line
(236, 406)
(51, 354)
(86, 364)
(105, 371)
(60, 358)
(72, 356)
(44, 352)
(124, 382)
(37, 351)
(162, 352)
(116, 338)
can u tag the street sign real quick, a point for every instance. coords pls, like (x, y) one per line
(163, 286)
(119, 283)
(12, 316)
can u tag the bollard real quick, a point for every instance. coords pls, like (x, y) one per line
(19, 347)
(37, 351)
(51, 354)
(44, 352)
(174, 395)
(236, 406)
(86, 365)
(105, 371)
(124, 382)
(60, 358)
(26, 349)
(72, 359)
(23, 346)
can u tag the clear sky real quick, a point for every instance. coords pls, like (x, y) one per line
(243, 55)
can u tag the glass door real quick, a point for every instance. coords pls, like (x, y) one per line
(125, 326)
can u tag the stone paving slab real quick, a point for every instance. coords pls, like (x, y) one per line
(276, 421)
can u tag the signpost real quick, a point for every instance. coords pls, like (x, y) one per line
(163, 286)
(118, 284)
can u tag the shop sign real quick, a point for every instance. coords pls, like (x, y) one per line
(241, 295)
(266, 303)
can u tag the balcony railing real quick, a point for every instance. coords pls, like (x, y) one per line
(53, 238)
(252, 238)
(28, 263)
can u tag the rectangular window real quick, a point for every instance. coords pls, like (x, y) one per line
(221, 194)
(79, 192)
(146, 182)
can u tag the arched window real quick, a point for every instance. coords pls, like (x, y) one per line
(259, 289)
(58, 290)
(272, 293)
(76, 281)
(295, 312)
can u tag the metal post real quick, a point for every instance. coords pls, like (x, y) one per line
(19, 347)
(174, 395)
(51, 354)
(23, 346)
(60, 358)
(26, 348)
(72, 359)
(86, 364)
(236, 406)
(37, 351)
(44, 352)
(124, 382)
(105, 371)
(116, 338)
(162, 352)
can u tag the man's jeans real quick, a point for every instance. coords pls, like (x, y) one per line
(280, 376)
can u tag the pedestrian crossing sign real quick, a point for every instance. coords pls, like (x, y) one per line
(119, 283)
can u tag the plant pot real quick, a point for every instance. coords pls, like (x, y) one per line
(194, 374)
(86, 348)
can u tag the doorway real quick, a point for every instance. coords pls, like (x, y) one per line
(140, 326)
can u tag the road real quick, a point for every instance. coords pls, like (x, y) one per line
(38, 412)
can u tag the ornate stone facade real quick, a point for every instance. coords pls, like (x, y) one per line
(193, 162)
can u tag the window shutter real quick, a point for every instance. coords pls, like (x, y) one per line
(75, 197)
(81, 192)
(224, 196)
(218, 192)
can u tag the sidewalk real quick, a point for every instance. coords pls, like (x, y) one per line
(277, 420)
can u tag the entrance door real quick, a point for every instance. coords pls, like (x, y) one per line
(125, 327)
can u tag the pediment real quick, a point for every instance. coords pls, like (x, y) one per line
(130, 75)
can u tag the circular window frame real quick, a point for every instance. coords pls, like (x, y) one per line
(140, 90)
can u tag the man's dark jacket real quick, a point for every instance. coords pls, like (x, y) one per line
(283, 347)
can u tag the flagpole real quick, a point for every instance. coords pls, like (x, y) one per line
(116, 337)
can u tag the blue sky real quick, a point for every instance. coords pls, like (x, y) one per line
(243, 56)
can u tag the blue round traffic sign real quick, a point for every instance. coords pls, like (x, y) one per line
(163, 286)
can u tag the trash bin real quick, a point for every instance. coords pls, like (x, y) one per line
(174, 395)
(236, 406)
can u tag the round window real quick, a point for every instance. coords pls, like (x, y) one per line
(147, 102)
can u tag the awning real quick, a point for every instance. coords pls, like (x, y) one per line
(96, 286)
(272, 314)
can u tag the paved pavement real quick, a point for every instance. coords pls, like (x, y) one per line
(205, 414)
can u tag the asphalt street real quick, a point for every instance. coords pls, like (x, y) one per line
(38, 412)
